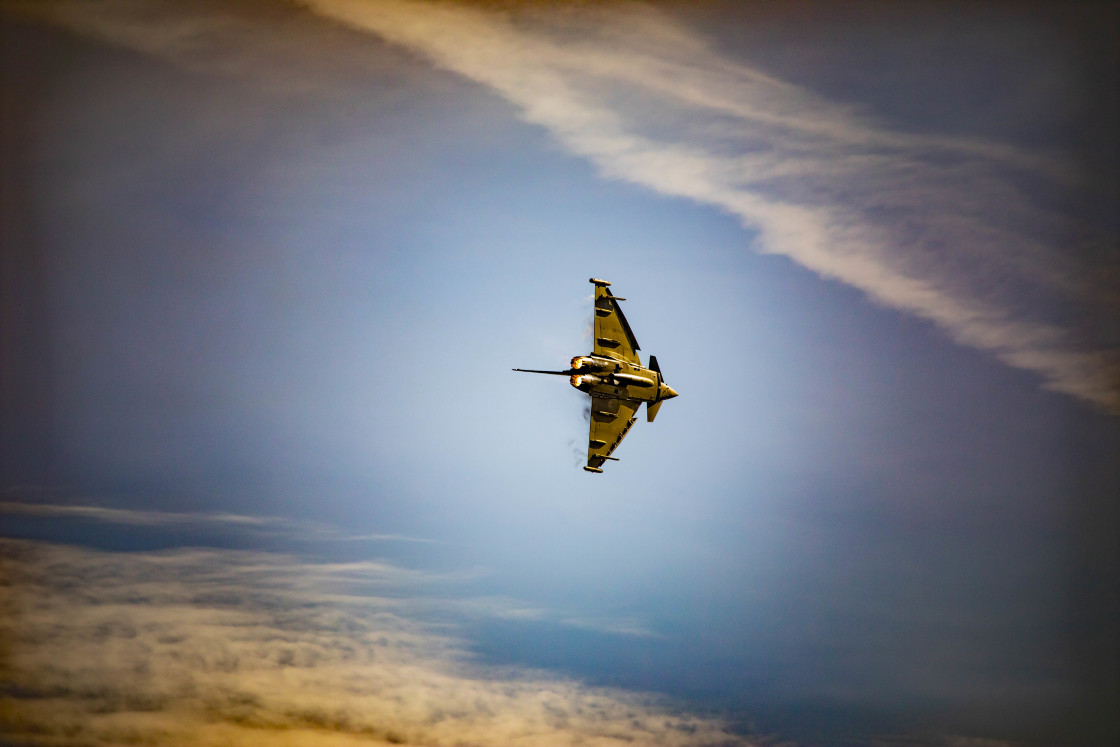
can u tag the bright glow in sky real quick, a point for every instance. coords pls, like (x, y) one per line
(267, 266)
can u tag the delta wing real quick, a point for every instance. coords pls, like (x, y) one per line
(610, 421)
(613, 336)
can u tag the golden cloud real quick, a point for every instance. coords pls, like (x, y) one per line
(209, 647)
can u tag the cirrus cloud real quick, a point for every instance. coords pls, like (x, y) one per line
(964, 233)
(974, 236)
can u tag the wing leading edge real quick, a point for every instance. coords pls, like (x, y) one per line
(613, 336)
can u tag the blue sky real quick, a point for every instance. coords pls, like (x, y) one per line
(272, 264)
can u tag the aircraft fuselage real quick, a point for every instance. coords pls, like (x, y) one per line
(614, 379)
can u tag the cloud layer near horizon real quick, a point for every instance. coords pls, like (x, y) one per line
(201, 646)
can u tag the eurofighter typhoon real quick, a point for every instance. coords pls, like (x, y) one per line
(615, 378)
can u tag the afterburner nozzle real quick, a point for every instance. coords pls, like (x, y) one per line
(584, 381)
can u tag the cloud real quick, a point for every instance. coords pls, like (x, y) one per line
(353, 577)
(374, 537)
(219, 647)
(971, 235)
(967, 234)
(208, 647)
(135, 517)
(267, 525)
(510, 609)
(274, 44)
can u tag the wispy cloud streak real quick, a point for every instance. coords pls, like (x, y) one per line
(952, 230)
(974, 236)
(327, 579)
(271, 525)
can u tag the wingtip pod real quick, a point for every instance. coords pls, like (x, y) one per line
(597, 281)
(594, 469)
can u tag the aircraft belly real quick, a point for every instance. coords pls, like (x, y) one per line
(618, 393)
(609, 392)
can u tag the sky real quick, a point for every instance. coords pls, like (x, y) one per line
(265, 473)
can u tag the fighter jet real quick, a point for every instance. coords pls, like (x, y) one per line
(615, 378)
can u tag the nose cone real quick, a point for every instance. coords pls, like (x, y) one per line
(668, 392)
